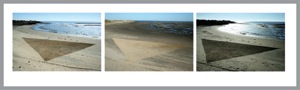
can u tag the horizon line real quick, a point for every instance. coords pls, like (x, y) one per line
(55, 20)
(151, 20)
(242, 21)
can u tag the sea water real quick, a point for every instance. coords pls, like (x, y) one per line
(176, 27)
(88, 29)
(274, 30)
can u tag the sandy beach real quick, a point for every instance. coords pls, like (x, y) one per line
(130, 46)
(45, 51)
(221, 51)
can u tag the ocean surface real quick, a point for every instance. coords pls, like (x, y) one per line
(176, 27)
(274, 30)
(88, 29)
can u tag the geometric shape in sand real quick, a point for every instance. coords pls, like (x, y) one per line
(219, 50)
(137, 50)
(49, 49)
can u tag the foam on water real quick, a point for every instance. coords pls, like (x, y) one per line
(257, 29)
(89, 29)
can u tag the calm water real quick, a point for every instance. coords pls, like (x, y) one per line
(89, 29)
(275, 30)
(176, 27)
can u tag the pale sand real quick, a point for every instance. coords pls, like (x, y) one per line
(273, 59)
(129, 47)
(26, 58)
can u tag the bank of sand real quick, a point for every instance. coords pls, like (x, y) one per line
(130, 47)
(25, 58)
(251, 54)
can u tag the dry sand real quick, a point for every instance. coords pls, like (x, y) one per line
(221, 51)
(128, 47)
(45, 51)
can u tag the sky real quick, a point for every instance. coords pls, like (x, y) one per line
(243, 17)
(150, 16)
(86, 17)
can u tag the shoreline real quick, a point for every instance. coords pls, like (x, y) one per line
(26, 58)
(254, 36)
(69, 28)
(73, 35)
(213, 33)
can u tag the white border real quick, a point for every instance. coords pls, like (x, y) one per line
(103, 41)
(195, 42)
(287, 78)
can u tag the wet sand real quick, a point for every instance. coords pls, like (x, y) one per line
(130, 47)
(221, 51)
(45, 51)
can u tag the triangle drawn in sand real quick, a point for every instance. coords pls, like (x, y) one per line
(136, 50)
(50, 49)
(219, 50)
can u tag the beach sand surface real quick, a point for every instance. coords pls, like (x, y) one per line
(45, 51)
(129, 47)
(221, 51)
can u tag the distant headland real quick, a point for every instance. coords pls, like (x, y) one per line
(202, 22)
(25, 22)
